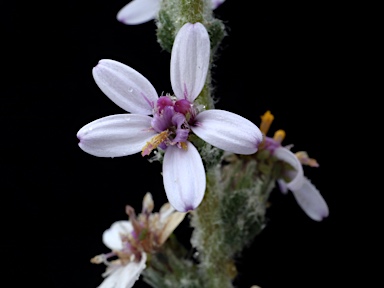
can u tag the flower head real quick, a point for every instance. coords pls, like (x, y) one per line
(141, 11)
(305, 193)
(174, 119)
(131, 241)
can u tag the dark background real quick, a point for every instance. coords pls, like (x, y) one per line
(57, 200)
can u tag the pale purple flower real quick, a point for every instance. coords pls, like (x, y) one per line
(141, 11)
(305, 193)
(173, 119)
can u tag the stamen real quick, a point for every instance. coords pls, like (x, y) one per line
(279, 136)
(184, 145)
(304, 159)
(130, 211)
(98, 259)
(102, 258)
(154, 142)
(148, 204)
(266, 121)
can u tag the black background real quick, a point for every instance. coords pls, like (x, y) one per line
(57, 200)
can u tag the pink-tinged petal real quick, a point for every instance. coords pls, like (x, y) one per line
(311, 201)
(228, 131)
(217, 3)
(116, 135)
(287, 156)
(125, 276)
(184, 177)
(138, 11)
(126, 87)
(190, 61)
(111, 236)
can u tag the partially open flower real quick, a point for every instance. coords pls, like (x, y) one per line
(131, 241)
(305, 193)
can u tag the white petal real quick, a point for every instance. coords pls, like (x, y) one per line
(282, 186)
(190, 61)
(111, 236)
(286, 155)
(165, 211)
(125, 276)
(184, 177)
(228, 131)
(311, 201)
(216, 3)
(126, 87)
(138, 11)
(112, 280)
(116, 135)
(131, 272)
(172, 222)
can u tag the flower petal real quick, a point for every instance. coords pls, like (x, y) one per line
(282, 186)
(190, 61)
(126, 87)
(171, 224)
(286, 155)
(138, 11)
(311, 201)
(125, 276)
(116, 135)
(131, 272)
(184, 177)
(165, 211)
(305, 193)
(113, 278)
(228, 131)
(216, 3)
(111, 236)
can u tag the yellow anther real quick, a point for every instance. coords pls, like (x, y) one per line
(266, 121)
(304, 159)
(279, 136)
(154, 142)
(184, 145)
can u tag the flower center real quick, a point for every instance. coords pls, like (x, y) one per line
(171, 119)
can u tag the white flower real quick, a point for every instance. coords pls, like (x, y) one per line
(141, 11)
(130, 241)
(305, 193)
(125, 271)
(174, 118)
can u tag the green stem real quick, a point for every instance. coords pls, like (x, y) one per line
(215, 265)
(193, 10)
